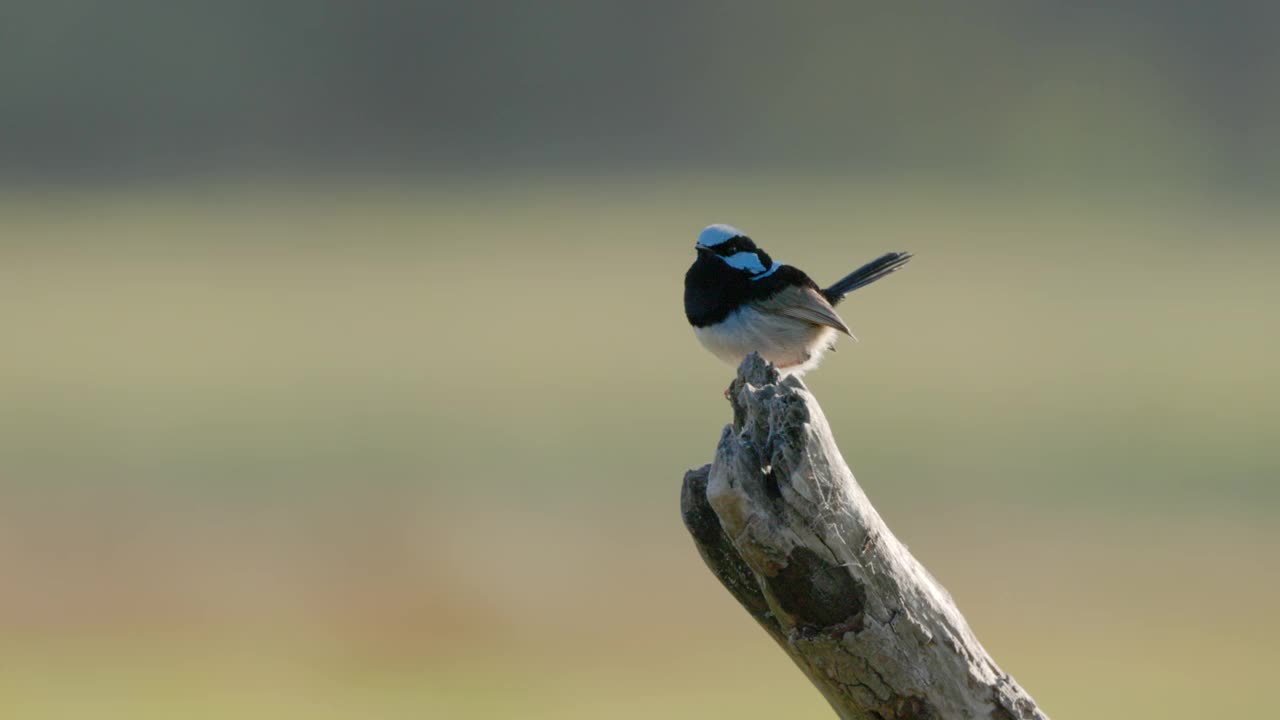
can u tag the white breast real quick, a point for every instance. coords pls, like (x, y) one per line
(794, 346)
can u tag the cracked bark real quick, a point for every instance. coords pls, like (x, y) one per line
(781, 522)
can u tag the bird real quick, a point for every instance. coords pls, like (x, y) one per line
(739, 300)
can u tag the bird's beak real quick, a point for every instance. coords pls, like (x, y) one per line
(701, 249)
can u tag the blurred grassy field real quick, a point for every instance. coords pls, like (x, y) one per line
(406, 451)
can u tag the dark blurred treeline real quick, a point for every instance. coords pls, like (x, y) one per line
(163, 88)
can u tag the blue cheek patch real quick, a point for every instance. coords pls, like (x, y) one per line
(748, 261)
(768, 272)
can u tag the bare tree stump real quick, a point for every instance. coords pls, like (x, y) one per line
(780, 520)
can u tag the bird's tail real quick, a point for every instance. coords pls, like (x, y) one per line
(880, 267)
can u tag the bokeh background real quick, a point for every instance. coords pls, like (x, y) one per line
(344, 373)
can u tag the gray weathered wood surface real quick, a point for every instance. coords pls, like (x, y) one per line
(780, 520)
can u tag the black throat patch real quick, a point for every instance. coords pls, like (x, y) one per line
(713, 290)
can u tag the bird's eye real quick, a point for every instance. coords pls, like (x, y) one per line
(731, 247)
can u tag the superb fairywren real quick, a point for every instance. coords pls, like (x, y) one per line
(739, 301)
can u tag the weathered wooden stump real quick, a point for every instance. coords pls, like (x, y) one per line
(780, 520)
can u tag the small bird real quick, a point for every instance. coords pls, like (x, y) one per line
(739, 301)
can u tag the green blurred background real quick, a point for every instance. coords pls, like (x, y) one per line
(344, 373)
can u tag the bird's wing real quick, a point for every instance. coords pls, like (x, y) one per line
(803, 303)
